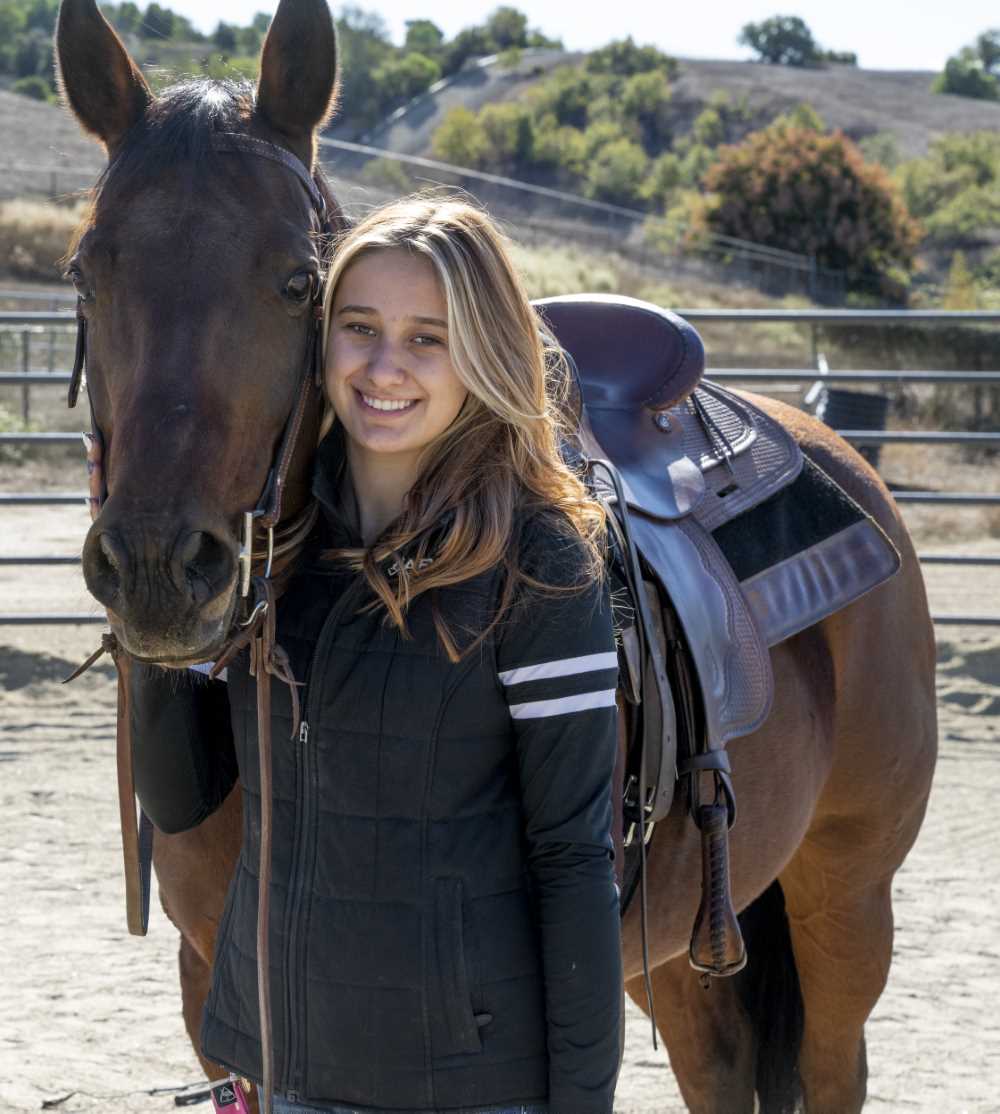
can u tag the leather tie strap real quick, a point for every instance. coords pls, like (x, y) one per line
(137, 830)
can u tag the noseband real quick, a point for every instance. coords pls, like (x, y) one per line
(255, 630)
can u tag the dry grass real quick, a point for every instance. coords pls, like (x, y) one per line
(34, 236)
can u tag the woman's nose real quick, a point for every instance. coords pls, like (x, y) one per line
(386, 365)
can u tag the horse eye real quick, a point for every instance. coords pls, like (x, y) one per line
(300, 286)
(80, 284)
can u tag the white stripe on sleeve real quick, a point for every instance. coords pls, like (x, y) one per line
(564, 667)
(539, 709)
(205, 667)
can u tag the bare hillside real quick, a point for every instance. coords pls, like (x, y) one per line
(39, 140)
(860, 102)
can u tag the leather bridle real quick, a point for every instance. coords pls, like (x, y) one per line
(258, 595)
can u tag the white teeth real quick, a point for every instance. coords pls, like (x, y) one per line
(389, 404)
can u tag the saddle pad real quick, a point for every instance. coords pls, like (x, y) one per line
(804, 554)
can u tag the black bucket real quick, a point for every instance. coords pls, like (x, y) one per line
(854, 410)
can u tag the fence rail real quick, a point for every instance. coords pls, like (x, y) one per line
(747, 316)
(35, 321)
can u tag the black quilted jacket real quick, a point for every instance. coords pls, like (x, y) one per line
(445, 927)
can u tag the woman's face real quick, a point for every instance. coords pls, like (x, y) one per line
(389, 374)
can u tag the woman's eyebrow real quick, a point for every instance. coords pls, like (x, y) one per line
(372, 312)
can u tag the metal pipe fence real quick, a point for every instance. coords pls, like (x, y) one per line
(42, 321)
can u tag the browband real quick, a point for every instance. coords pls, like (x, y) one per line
(237, 141)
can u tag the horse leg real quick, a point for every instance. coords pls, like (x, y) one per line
(707, 1034)
(196, 979)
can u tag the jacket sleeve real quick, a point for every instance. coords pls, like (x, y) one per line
(182, 745)
(558, 665)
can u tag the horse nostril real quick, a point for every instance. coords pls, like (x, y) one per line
(104, 559)
(207, 564)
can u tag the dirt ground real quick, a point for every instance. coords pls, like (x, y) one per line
(92, 1016)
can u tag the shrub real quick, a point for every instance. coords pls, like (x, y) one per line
(399, 79)
(955, 189)
(35, 87)
(460, 139)
(509, 135)
(616, 173)
(623, 59)
(389, 174)
(796, 189)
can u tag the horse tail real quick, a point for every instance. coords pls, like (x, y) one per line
(769, 990)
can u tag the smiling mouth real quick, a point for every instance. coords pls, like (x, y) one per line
(387, 405)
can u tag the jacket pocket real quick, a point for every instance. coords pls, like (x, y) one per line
(460, 1031)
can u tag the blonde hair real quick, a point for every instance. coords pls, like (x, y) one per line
(500, 459)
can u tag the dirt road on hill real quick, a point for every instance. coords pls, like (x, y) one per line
(92, 1015)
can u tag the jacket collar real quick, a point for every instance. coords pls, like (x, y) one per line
(339, 508)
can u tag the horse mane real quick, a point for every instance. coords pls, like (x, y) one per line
(177, 128)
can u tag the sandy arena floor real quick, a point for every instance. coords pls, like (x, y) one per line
(92, 1019)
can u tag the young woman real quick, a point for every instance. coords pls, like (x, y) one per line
(444, 932)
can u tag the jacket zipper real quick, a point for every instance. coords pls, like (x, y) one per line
(301, 868)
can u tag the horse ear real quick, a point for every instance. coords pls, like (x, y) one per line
(99, 80)
(298, 69)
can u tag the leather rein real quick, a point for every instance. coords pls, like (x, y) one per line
(266, 543)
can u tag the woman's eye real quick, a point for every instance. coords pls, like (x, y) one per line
(426, 341)
(360, 329)
(299, 286)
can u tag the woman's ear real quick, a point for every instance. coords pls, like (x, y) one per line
(101, 84)
(298, 71)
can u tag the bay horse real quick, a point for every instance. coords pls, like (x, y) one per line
(193, 269)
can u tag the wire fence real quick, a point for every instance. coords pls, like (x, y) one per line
(52, 337)
(364, 176)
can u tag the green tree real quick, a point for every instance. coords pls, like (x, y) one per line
(507, 27)
(568, 94)
(961, 292)
(35, 87)
(782, 40)
(988, 49)
(363, 44)
(225, 37)
(955, 188)
(423, 36)
(663, 178)
(965, 76)
(157, 23)
(399, 79)
(617, 172)
(459, 139)
(645, 98)
(126, 17)
(473, 42)
(624, 59)
(509, 134)
(806, 192)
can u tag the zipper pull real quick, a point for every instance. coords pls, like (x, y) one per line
(303, 732)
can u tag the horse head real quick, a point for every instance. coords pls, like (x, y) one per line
(197, 270)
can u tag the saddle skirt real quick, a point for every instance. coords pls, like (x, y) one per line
(750, 541)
